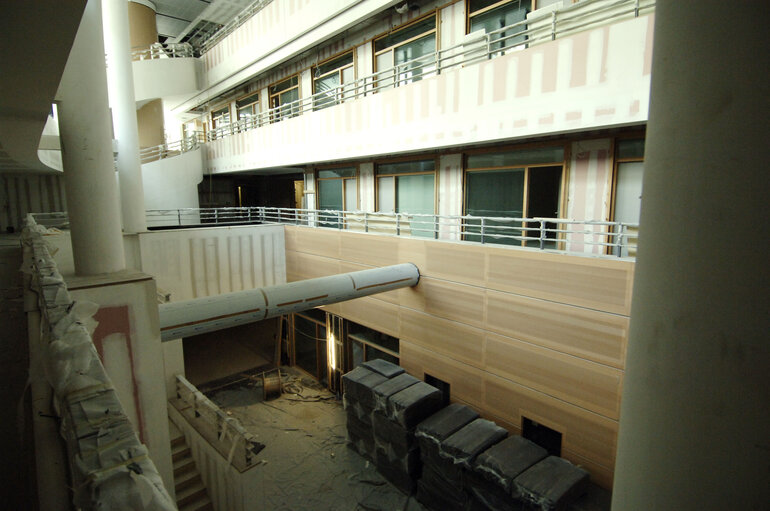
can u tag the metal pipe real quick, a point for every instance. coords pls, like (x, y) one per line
(201, 315)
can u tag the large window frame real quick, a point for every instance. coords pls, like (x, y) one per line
(528, 229)
(247, 108)
(221, 116)
(383, 175)
(501, 9)
(282, 105)
(342, 67)
(347, 177)
(621, 157)
(390, 43)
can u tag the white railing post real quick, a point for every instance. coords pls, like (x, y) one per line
(553, 26)
(542, 234)
(483, 229)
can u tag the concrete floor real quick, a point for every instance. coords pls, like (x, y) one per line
(306, 463)
(15, 431)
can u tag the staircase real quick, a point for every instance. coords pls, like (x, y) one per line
(191, 494)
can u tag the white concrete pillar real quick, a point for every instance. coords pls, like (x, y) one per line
(87, 158)
(695, 418)
(120, 80)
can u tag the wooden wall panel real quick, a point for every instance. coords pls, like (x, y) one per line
(585, 333)
(455, 340)
(582, 281)
(514, 332)
(455, 262)
(377, 314)
(593, 386)
(465, 382)
(370, 249)
(317, 241)
(583, 432)
(448, 300)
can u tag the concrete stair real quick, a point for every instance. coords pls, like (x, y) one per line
(191, 494)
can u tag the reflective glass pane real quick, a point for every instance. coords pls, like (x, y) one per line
(631, 148)
(500, 17)
(340, 172)
(405, 34)
(329, 198)
(411, 52)
(386, 194)
(515, 158)
(498, 193)
(327, 88)
(351, 195)
(406, 167)
(415, 194)
(384, 61)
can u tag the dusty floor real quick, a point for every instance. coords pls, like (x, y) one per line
(306, 463)
(15, 436)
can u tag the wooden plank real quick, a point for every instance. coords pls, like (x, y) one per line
(592, 386)
(460, 342)
(377, 314)
(585, 333)
(448, 300)
(601, 284)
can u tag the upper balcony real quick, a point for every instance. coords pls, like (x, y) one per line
(166, 70)
(582, 67)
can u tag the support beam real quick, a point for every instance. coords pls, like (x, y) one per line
(193, 317)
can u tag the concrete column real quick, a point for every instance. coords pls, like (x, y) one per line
(120, 79)
(695, 418)
(87, 158)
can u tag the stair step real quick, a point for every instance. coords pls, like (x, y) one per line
(176, 442)
(186, 480)
(201, 505)
(184, 466)
(191, 494)
(180, 453)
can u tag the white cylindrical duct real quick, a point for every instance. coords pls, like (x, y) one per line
(193, 317)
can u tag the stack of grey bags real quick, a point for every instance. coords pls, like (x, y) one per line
(400, 405)
(358, 399)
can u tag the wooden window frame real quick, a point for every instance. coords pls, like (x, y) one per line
(252, 104)
(434, 30)
(402, 159)
(338, 70)
(275, 116)
(563, 192)
(332, 167)
(214, 119)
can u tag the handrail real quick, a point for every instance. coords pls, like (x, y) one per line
(496, 43)
(163, 51)
(562, 234)
(169, 149)
(230, 433)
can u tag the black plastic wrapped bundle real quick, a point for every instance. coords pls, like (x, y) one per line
(439, 426)
(414, 404)
(384, 390)
(470, 441)
(358, 385)
(550, 485)
(383, 367)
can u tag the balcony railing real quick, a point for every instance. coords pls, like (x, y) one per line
(226, 434)
(169, 149)
(163, 51)
(232, 25)
(613, 238)
(475, 48)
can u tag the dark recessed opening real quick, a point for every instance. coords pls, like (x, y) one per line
(441, 385)
(547, 438)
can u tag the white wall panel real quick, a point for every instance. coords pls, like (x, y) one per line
(29, 193)
(192, 263)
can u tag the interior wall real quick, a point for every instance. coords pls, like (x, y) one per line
(149, 121)
(516, 333)
(21, 194)
(143, 30)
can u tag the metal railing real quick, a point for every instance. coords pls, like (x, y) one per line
(163, 51)
(169, 149)
(232, 440)
(514, 37)
(562, 234)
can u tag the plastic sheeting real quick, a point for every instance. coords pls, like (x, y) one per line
(109, 467)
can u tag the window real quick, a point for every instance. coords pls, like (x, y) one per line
(524, 183)
(403, 50)
(283, 97)
(247, 110)
(309, 339)
(328, 79)
(220, 117)
(367, 344)
(408, 187)
(337, 191)
(492, 15)
(627, 191)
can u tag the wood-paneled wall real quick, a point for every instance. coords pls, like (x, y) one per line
(514, 332)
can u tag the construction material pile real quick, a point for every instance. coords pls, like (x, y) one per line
(455, 460)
